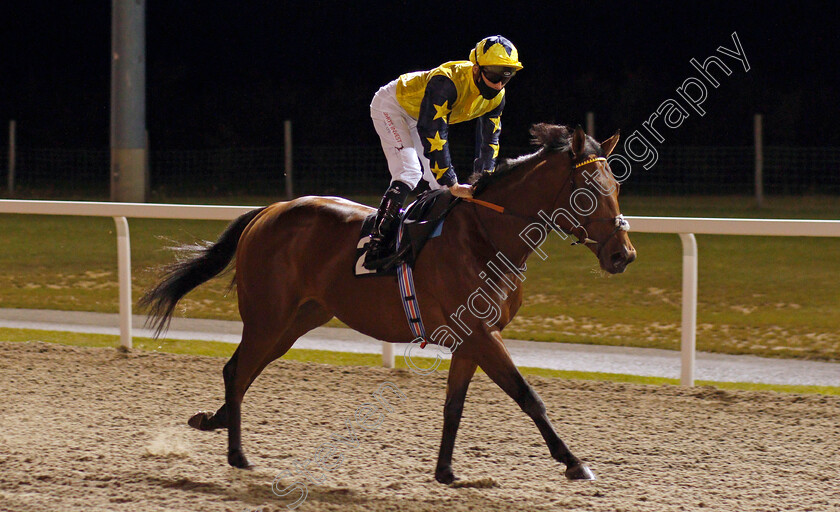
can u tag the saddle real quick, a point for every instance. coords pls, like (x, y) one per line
(420, 221)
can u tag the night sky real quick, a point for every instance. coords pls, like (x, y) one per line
(223, 74)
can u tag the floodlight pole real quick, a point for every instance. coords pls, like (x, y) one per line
(128, 101)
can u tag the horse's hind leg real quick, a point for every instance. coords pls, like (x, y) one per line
(495, 360)
(257, 350)
(239, 372)
(206, 420)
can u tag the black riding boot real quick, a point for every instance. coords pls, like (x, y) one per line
(387, 219)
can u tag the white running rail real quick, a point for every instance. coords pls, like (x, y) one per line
(686, 228)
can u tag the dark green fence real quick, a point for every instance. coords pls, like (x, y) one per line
(349, 170)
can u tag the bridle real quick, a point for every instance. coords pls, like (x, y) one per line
(619, 222)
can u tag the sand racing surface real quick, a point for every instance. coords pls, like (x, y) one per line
(87, 429)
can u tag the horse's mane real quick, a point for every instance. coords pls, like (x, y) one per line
(550, 137)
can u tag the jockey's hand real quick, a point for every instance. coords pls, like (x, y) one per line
(462, 191)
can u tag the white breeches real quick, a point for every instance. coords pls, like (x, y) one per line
(400, 141)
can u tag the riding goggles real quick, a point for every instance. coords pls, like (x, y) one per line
(496, 74)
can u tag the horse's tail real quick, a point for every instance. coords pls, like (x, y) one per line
(196, 264)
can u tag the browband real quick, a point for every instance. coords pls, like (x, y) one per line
(596, 159)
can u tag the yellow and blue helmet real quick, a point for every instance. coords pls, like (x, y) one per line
(495, 51)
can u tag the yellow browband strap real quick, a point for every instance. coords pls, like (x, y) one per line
(596, 159)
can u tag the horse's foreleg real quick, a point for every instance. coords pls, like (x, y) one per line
(496, 362)
(461, 373)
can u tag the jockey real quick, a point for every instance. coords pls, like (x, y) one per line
(412, 115)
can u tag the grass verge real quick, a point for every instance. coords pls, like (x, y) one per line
(220, 349)
(767, 296)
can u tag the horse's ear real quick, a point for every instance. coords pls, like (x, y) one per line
(608, 145)
(578, 142)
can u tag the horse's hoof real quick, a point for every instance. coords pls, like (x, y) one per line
(579, 472)
(445, 476)
(201, 420)
(238, 460)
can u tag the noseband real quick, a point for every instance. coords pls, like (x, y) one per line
(620, 223)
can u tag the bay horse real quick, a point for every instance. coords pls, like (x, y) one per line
(294, 264)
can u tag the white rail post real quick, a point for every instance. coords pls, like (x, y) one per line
(689, 308)
(124, 272)
(590, 124)
(387, 354)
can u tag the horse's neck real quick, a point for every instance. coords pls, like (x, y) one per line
(523, 198)
(531, 187)
(502, 233)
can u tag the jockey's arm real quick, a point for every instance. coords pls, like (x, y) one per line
(487, 132)
(433, 128)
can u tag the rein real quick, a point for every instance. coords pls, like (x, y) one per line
(621, 223)
(486, 204)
